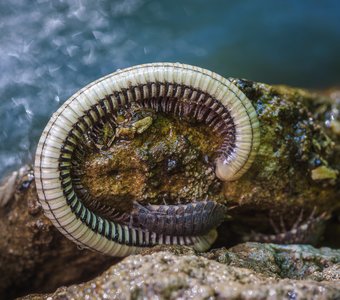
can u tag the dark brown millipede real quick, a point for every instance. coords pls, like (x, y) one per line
(177, 89)
(193, 219)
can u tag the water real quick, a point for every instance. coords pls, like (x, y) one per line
(50, 49)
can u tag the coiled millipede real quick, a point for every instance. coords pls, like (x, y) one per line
(179, 89)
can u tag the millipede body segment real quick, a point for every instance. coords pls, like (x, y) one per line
(183, 91)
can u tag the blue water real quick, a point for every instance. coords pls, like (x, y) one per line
(50, 49)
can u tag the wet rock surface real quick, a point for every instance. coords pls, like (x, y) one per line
(302, 262)
(247, 271)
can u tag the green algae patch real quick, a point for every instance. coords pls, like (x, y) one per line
(322, 173)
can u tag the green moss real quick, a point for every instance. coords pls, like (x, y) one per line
(294, 141)
(322, 173)
(166, 161)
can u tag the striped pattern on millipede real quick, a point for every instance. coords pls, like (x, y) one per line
(181, 90)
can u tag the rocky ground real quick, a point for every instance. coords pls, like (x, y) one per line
(246, 271)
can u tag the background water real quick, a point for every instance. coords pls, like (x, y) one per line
(50, 49)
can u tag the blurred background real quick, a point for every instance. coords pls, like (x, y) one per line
(51, 48)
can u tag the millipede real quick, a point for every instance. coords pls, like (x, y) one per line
(180, 90)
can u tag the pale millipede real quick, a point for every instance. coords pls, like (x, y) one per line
(170, 88)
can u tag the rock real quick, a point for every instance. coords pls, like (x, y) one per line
(301, 262)
(297, 166)
(296, 138)
(247, 271)
(33, 254)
